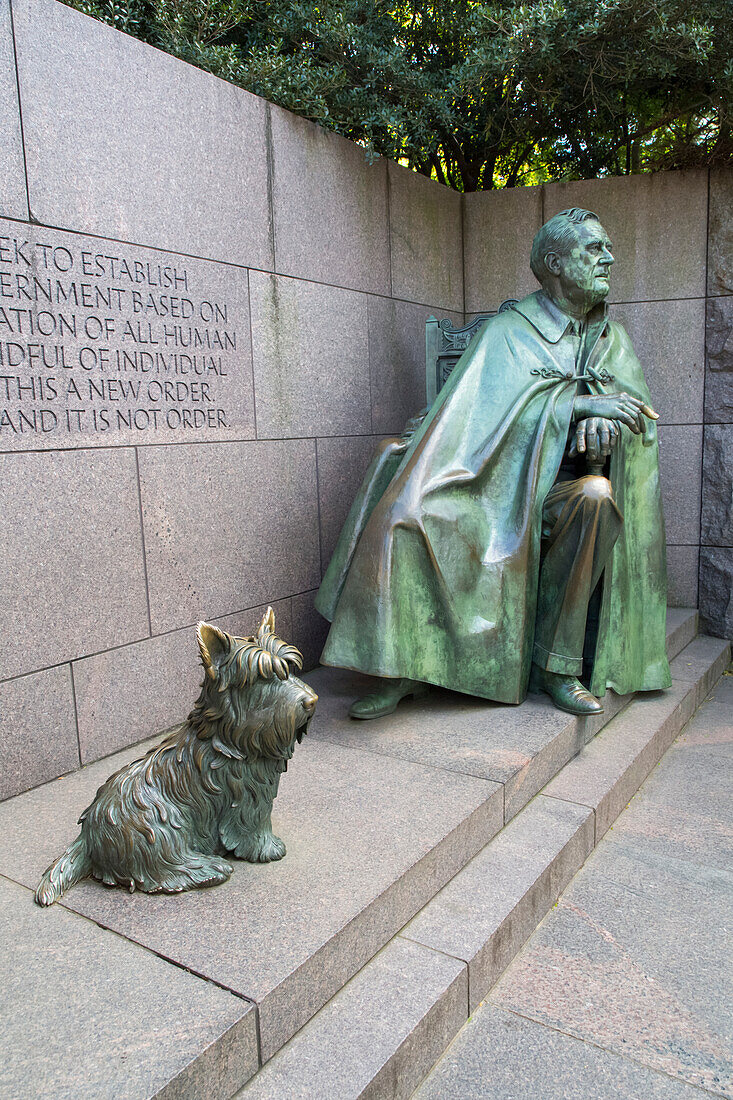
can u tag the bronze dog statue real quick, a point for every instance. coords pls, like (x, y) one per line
(163, 823)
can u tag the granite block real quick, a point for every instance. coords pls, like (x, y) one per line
(426, 242)
(633, 960)
(712, 727)
(499, 1055)
(87, 1013)
(226, 525)
(681, 819)
(71, 534)
(682, 570)
(330, 207)
(136, 691)
(682, 624)
(342, 463)
(702, 663)
(311, 358)
(37, 729)
(716, 521)
(521, 747)
(716, 591)
(719, 361)
(680, 473)
(13, 195)
(369, 842)
(187, 171)
(491, 907)
(379, 1035)
(105, 344)
(658, 254)
(309, 629)
(499, 227)
(720, 232)
(397, 360)
(669, 341)
(610, 770)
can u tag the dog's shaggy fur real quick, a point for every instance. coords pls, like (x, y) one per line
(163, 823)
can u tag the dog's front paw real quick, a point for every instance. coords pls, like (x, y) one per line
(262, 848)
(272, 848)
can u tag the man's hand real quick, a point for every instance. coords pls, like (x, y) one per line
(594, 437)
(614, 406)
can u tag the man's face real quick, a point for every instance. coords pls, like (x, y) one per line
(584, 271)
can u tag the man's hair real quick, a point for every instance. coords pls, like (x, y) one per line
(558, 235)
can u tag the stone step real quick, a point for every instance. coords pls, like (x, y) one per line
(375, 827)
(374, 1038)
(521, 748)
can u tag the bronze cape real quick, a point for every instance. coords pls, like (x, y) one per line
(435, 575)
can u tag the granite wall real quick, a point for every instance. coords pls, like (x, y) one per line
(210, 312)
(716, 528)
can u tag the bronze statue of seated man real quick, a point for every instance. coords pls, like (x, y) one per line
(520, 542)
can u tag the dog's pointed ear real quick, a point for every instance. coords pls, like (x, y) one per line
(267, 626)
(214, 645)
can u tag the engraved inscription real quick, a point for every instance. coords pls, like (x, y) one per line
(106, 343)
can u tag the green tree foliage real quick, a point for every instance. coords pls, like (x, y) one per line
(477, 95)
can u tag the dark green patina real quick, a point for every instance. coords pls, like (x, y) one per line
(435, 575)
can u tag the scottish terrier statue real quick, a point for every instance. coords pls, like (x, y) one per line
(164, 823)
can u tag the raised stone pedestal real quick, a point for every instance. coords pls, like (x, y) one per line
(421, 855)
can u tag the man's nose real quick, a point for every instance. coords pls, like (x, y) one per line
(607, 255)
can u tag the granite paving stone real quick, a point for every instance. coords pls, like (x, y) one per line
(680, 454)
(498, 230)
(87, 1013)
(130, 693)
(503, 1056)
(613, 766)
(330, 207)
(682, 624)
(311, 358)
(425, 239)
(719, 361)
(397, 360)
(720, 232)
(227, 525)
(455, 732)
(187, 171)
(492, 906)
(378, 1036)
(635, 958)
(37, 729)
(669, 341)
(682, 575)
(713, 728)
(370, 841)
(13, 196)
(716, 591)
(702, 662)
(716, 521)
(658, 254)
(77, 583)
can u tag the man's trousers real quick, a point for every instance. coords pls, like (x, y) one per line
(580, 525)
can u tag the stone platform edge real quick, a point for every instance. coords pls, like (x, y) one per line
(383, 1032)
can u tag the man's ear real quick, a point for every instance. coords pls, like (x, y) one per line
(214, 645)
(552, 263)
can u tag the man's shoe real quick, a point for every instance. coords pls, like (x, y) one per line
(384, 701)
(566, 692)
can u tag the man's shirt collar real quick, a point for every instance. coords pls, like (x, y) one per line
(551, 321)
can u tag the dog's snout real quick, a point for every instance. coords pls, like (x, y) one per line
(308, 702)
